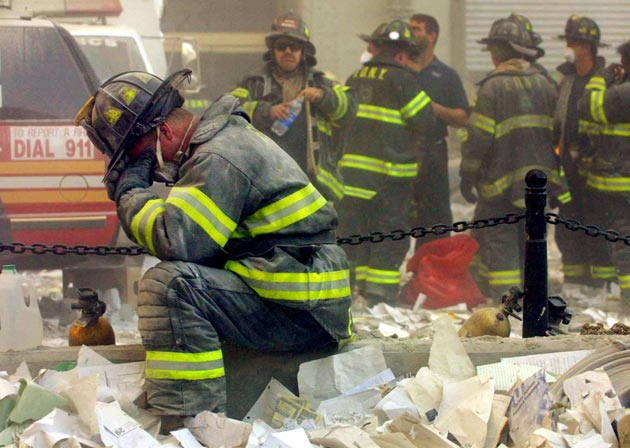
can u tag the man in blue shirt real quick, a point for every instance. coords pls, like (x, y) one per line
(450, 105)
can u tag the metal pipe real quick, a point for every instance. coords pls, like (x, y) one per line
(535, 299)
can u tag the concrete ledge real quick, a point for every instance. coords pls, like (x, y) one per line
(248, 372)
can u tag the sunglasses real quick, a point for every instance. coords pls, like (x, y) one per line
(282, 46)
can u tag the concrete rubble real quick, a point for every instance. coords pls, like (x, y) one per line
(350, 399)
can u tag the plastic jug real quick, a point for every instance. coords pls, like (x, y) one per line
(21, 325)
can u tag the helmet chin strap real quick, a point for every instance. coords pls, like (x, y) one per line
(179, 154)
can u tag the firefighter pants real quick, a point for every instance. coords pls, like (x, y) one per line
(186, 310)
(583, 261)
(614, 211)
(376, 266)
(498, 265)
(432, 192)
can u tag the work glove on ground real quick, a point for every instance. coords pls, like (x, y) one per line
(467, 189)
(136, 174)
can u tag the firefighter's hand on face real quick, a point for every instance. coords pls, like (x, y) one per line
(467, 188)
(127, 175)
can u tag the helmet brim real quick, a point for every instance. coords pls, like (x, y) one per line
(531, 52)
(599, 44)
(169, 84)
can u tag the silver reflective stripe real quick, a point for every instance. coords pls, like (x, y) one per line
(523, 121)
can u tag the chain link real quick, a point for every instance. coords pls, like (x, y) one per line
(589, 230)
(439, 229)
(352, 240)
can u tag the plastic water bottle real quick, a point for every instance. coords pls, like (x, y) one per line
(21, 326)
(280, 127)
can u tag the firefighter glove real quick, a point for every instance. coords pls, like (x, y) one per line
(467, 189)
(136, 174)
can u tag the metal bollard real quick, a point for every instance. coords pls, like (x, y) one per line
(535, 301)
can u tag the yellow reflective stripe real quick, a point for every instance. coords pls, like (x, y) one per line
(523, 121)
(324, 127)
(204, 212)
(142, 224)
(377, 113)
(618, 129)
(414, 106)
(624, 281)
(574, 270)
(604, 272)
(565, 198)
(497, 187)
(462, 134)
(240, 92)
(249, 107)
(184, 366)
(597, 107)
(617, 184)
(482, 122)
(588, 127)
(596, 83)
(327, 179)
(342, 102)
(360, 272)
(284, 212)
(504, 277)
(294, 285)
(379, 166)
(356, 192)
(382, 276)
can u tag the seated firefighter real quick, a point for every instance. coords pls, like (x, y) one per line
(247, 243)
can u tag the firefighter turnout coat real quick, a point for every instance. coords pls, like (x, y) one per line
(510, 132)
(249, 256)
(605, 112)
(331, 115)
(381, 152)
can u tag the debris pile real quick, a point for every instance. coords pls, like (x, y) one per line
(352, 399)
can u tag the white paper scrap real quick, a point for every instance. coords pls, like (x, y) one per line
(332, 376)
(557, 363)
(448, 357)
(384, 377)
(186, 439)
(296, 438)
(505, 375)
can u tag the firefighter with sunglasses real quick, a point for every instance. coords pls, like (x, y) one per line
(328, 107)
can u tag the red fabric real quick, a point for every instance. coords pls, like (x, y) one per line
(441, 273)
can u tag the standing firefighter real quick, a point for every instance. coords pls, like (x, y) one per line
(586, 264)
(246, 241)
(509, 132)
(288, 74)
(380, 158)
(606, 107)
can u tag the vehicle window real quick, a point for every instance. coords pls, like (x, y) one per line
(39, 78)
(111, 55)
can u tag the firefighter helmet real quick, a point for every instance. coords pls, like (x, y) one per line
(127, 106)
(536, 38)
(513, 32)
(582, 29)
(376, 34)
(395, 32)
(293, 26)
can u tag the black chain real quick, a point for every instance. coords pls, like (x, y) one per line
(439, 229)
(590, 230)
(352, 240)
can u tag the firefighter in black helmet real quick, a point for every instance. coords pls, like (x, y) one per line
(509, 132)
(246, 242)
(289, 74)
(587, 266)
(380, 158)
